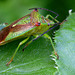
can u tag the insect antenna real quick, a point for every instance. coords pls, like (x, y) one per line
(46, 10)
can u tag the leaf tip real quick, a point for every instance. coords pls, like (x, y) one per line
(70, 11)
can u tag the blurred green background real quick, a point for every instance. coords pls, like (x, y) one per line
(11, 10)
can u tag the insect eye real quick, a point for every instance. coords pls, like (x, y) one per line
(36, 9)
(37, 24)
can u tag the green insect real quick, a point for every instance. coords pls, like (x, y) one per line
(32, 24)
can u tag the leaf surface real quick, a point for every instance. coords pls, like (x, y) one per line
(65, 46)
(35, 60)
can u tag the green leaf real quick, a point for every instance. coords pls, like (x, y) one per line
(65, 46)
(35, 60)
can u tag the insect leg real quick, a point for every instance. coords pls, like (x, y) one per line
(52, 18)
(47, 36)
(29, 42)
(22, 42)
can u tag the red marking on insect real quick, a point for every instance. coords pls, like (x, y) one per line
(37, 24)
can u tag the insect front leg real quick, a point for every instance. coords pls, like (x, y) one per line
(22, 42)
(30, 42)
(47, 36)
(52, 18)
